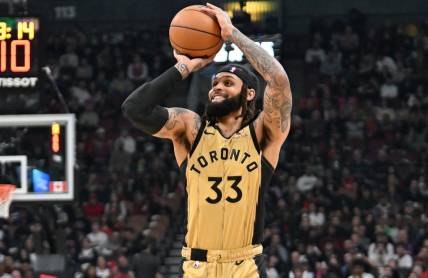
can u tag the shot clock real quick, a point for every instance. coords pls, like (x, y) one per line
(19, 55)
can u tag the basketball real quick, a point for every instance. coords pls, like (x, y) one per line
(195, 33)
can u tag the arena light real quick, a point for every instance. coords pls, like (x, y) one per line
(256, 9)
(236, 55)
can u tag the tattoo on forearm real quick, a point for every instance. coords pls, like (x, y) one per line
(266, 65)
(277, 100)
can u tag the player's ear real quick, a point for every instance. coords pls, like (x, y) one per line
(251, 94)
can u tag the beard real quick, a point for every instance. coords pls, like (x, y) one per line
(227, 106)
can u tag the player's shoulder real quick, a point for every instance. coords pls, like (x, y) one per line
(190, 120)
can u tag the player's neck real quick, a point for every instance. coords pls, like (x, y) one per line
(231, 123)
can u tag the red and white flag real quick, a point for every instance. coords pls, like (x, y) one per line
(58, 186)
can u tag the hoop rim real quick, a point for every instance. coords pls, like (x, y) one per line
(6, 191)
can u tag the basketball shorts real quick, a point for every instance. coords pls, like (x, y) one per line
(247, 262)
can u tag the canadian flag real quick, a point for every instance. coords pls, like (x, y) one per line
(58, 186)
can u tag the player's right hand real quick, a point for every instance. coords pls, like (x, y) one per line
(188, 65)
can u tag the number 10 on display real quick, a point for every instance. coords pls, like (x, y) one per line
(9, 52)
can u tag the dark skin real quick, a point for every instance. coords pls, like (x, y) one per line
(272, 125)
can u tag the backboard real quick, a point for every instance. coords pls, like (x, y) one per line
(37, 154)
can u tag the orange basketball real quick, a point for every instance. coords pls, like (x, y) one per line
(195, 33)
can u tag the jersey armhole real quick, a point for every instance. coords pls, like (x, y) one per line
(198, 138)
(254, 137)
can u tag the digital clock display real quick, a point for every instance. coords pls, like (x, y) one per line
(19, 38)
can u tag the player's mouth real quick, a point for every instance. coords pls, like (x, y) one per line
(217, 98)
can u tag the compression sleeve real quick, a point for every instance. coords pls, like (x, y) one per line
(142, 105)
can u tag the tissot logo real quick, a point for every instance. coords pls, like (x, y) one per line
(18, 82)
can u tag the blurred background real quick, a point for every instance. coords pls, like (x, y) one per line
(349, 197)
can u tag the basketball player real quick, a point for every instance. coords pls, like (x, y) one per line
(228, 157)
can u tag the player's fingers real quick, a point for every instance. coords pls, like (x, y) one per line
(214, 7)
(209, 11)
(175, 54)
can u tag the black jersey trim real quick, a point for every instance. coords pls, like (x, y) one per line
(198, 138)
(183, 167)
(259, 221)
(268, 163)
(254, 137)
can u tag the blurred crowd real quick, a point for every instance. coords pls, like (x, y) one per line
(128, 187)
(349, 197)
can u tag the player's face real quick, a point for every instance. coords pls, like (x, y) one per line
(224, 86)
(225, 95)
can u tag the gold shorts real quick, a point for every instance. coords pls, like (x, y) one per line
(247, 262)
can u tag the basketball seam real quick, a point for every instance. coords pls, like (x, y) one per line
(196, 10)
(194, 29)
(197, 49)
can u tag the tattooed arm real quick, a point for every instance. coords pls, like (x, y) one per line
(277, 104)
(183, 124)
(277, 96)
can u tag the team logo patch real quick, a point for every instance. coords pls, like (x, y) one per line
(233, 69)
(196, 264)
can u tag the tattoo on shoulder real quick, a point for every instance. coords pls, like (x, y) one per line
(174, 114)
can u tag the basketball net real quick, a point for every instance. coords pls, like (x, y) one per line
(5, 199)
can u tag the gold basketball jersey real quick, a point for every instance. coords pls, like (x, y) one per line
(225, 183)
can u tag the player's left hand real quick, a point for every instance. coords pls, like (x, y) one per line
(223, 20)
(193, 64)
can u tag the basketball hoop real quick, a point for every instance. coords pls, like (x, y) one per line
(5, 199)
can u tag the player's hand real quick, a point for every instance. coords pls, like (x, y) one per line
(186, 65)
(223, 20)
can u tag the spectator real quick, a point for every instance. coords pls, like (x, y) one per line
(332, 64)
(97, 237)
(89, 118)
(145, 264)
(101, 269)
(138, 70)
(80, 93)
(93, 209)
(404, 260)
(121, 84)
(359, 269)
(87, 254)
(315, 55)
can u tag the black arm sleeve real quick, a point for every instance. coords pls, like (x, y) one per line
(142, 105)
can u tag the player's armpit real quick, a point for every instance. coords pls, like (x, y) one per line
(181, 124)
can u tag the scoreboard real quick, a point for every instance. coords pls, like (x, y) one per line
(19, 52)
(21, 58)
